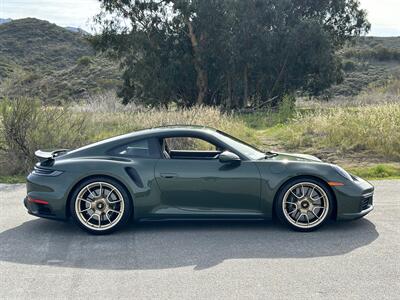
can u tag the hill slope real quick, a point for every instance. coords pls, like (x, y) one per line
(41, 59)
(368, 61)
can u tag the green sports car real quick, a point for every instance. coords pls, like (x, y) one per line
(190, 172)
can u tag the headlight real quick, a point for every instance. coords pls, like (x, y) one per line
(342, 172)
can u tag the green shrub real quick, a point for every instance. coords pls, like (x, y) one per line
(27, 126)
(84, 61)
(380, 171)
(287, 108)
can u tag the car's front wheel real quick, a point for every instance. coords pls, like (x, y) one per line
(304, 204)
(100, 205)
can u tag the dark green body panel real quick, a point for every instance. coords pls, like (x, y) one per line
(184, 188)
(198, 187)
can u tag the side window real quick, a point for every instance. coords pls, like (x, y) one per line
(189, 144)
(141, 148)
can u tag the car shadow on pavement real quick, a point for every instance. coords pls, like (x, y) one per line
(161, 245)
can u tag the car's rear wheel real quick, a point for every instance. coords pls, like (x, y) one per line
(100, 205)
(304, 204)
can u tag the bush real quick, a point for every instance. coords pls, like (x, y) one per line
(286, 108)
(84, 61)
(27, 126)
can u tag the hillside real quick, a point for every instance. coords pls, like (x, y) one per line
(368, 61)
(56, 64)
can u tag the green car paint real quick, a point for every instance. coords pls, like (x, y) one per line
(182, 188)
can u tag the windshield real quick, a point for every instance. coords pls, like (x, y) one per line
(244, 148)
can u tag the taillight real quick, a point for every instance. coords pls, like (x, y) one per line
(37, 201)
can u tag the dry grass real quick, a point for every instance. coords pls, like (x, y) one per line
(388, 93)
(373, 128)
(344, 129)
(106, 117)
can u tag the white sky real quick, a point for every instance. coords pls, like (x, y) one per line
(383, 14)
(76, 13)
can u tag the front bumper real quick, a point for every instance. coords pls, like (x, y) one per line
(354, 201)
(366, 206)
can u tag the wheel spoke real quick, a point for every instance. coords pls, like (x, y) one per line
(87, 221)
(86, 200)
(108, 196)
(319, 198)
(91, 193)
(312, 191)
(321, 207)
(314, 214)
(86, 209)
(100, 189)
(114, 211)
(108, 218)
(308, 219)
(116, 201)
(302, 191)
(297, 220)
(294, 194)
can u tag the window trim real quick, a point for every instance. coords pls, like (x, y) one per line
(203, 136)
(152, 142)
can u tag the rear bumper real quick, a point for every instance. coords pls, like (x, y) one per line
(39, 210)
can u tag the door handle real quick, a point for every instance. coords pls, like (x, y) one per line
(168, 175)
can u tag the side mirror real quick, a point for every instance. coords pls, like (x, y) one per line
(228, 157)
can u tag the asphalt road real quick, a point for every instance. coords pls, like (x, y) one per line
(235, 260)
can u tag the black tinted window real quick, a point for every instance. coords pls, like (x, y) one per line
(141, 148)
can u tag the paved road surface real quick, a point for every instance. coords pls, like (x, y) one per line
(258, 260)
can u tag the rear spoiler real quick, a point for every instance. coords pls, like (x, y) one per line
(49, 155)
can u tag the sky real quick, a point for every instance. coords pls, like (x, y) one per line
(383, 14)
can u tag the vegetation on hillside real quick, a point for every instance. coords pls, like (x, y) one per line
(40, 59)
(366, 61)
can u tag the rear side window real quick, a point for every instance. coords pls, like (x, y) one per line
(141, 148)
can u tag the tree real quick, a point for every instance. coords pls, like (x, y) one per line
(227, 52)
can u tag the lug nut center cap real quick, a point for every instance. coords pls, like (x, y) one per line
(305, 204)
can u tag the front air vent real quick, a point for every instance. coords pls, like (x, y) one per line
(366, 202)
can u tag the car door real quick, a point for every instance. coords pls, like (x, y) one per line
(204, 185)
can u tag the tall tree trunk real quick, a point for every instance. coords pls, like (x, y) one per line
(202, 78)
(229, 100)
(245, 86)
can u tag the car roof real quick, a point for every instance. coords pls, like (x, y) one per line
(170, 129)
(144, 133)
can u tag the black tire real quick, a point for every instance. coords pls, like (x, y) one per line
(125, 203)
(288, 218)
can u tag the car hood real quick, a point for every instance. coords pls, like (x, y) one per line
(295, 157)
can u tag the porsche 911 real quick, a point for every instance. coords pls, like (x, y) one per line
(190, 173)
